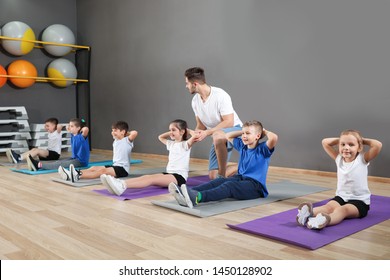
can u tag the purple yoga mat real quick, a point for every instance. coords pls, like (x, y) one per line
(151, 190)
(197, 180)
(283, 227)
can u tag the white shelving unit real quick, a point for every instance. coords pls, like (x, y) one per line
(14, 129)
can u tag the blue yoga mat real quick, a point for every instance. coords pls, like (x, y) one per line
(95, 163)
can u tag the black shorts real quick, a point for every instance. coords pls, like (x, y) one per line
(180, 179)
(52, 156)
(119, 171)
(360, 205)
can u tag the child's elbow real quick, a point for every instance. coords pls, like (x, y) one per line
(379, 145)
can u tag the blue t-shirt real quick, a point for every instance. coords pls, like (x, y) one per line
(80, 148)
(253, 163)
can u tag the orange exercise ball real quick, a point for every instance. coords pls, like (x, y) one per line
(3, 80)
(22, 68)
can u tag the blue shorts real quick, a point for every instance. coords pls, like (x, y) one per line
(213, 162)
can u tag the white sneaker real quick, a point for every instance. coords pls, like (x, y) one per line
(64, 174)
(12, 156)
(318, 222)
(103, 179)
(118, 186)
(74, 174)
(176, 192)
(189, 196)
(305, 211)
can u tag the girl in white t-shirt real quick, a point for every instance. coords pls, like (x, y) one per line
(177, 168)
(53, 150)
(352, 198)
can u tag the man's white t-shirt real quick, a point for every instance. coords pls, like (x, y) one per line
(218, 104)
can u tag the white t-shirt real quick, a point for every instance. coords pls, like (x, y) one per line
(218, 104)
(179, 158)
(122, 153)
(352, 179)
(54, 142)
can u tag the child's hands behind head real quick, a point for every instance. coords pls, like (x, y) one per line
(84, 131)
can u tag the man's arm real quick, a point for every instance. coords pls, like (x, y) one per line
(227, 121)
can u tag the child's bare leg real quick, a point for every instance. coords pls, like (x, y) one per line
(336, 212)
(343, 212)
(96, 171)
(328, 208)
(34, 153)
(162, 180)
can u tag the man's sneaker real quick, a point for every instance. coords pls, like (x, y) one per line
(176, 192)
(117, 186)
(190, 196)
(32, 163)
(103, 179)
(74, 174)
(305, 211)
(318, 222)
(13, 157)
(64, 174)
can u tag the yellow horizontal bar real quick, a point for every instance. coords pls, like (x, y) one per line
(45, 43)
(40, 79)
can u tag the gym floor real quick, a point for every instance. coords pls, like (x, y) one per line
(42, 219)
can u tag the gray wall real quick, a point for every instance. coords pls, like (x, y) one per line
(41, 100)
(307, 69)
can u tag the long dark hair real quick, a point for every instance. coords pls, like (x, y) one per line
(181, 125)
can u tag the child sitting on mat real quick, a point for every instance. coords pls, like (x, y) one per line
(53, 150)
(178, 164)
(352, 195)
(80, 149)
(122, 146)
(249, 182)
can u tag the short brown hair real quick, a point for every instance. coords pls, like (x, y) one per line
(121, 125)
(195, 74)
(254, 123)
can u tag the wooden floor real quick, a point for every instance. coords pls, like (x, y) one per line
(42, 219)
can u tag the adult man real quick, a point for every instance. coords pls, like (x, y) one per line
(214, 115)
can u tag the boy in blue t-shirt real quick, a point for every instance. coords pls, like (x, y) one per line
(249, 182)
(80, 149)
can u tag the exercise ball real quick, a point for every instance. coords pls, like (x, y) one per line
(59, 34)
(3, 80)
(22, 68)
(20, 30)
(63, 69)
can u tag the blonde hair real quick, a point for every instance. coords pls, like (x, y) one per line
(257, 125)
(354, 133)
